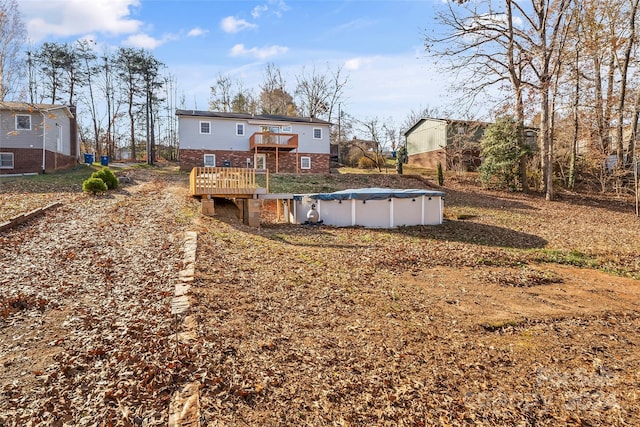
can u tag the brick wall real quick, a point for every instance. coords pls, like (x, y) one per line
(428, 160)
(29, 160)
(286, 160)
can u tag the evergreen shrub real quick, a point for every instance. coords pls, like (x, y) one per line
(94, 185)
(106, 175)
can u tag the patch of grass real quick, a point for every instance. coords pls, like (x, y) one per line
(187, 214)
(299, 184)
(70, 179)
(573, 257)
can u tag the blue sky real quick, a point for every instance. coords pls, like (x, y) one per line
(378, 43)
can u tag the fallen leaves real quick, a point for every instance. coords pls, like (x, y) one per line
(455, 325)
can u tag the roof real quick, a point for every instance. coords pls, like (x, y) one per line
(372, 194)
(447, 121)
(25, 106)
(246, 116)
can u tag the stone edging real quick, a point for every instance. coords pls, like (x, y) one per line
(184, 408)
(22, 218)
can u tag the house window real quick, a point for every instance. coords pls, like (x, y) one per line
(317, 133)
(6, 160)
(286, 129)
(23, 122)
(205, 127)
(305, 162)
(240, 129)
(209, 160)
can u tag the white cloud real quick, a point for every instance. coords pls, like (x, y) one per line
(197, 31)
(281, 6)
(145, 41)
(356, 63)
(260, 53)
(259, 10)
(276, 7)
(73, 17)
(231, 24)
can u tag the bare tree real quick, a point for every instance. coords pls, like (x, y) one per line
(221, 94)
(624, 62)
(244, 101)
(491, 49)
(414, 117)
(13, 35)
(318, 93)
(230, 96)
(375, 141)
(89, 69)
(274, 98)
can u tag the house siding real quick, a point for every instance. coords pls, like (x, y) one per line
(29, 160)
(226, 145)
(453, 143)
(431, 135)
(27, 145)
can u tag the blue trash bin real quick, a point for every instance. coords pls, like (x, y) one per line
(88, 158)
(104, 160)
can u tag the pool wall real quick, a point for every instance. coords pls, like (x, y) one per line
(375, 208)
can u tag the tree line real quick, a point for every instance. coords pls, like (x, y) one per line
(567, 67)
(122, 95)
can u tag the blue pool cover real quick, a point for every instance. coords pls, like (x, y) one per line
(371, 194)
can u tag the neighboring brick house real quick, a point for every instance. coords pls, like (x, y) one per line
(276, 143)
(36, 138)
(453, 143)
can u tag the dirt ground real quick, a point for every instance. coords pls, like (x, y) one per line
(515, 311)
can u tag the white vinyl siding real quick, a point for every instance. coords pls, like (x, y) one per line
(23, 122)
(6, 161)
(205, 127)
(305, 162)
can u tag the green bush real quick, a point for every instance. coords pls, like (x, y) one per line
(440, 174)
(502, 149)
(94, 185)
(107, 176)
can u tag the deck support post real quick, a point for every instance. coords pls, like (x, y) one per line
(208, 207)
(251, 212)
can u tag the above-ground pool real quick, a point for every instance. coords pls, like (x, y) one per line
(371, 207)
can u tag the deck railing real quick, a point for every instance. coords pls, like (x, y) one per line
(224, 181)
(268, 139)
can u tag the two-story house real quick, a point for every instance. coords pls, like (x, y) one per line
(268, 142)
(36, 138)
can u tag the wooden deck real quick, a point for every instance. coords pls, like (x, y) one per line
(226, 182)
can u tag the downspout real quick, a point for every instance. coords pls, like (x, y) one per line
(44, 142)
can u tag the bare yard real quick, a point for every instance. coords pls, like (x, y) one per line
(507, 314)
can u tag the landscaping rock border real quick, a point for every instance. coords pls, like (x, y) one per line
(22, 218)
(184, 409)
